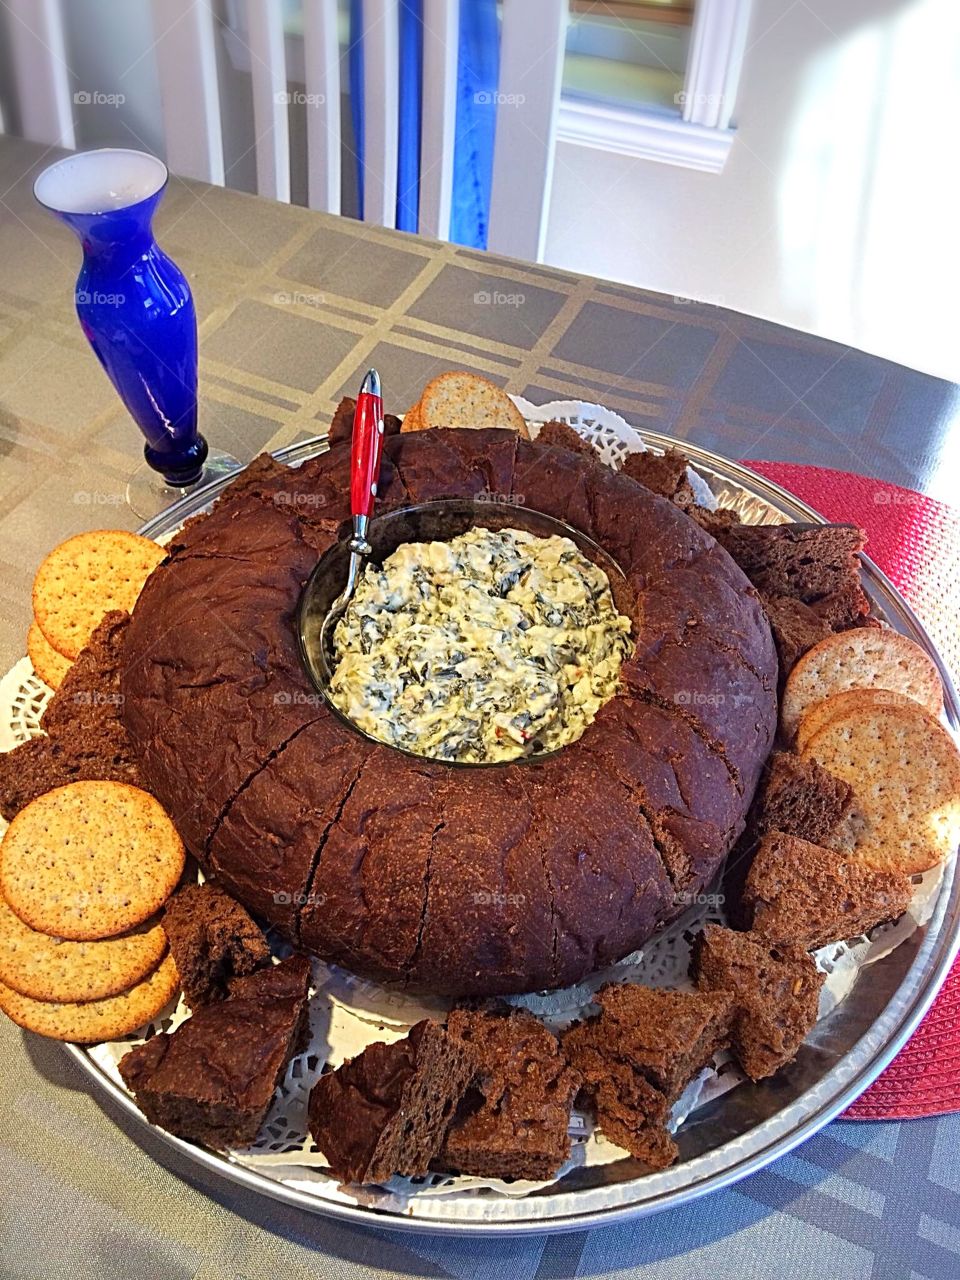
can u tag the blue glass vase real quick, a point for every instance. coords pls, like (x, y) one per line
(134, 302)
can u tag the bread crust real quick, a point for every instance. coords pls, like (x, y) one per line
(464, 881)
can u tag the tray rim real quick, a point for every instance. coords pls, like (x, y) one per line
(921, 982)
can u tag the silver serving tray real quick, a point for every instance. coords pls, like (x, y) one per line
(740, 1132)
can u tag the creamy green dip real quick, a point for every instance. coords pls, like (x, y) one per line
(494, 645)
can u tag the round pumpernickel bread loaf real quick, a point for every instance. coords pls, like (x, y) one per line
(499, 879)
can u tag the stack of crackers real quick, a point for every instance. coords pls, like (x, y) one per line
(865, 705)
(81, 580)
(85, 869)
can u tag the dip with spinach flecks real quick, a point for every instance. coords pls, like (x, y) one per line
(494, 645)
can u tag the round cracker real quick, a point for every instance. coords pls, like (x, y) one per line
(50, 665)
(97, 1020)
(34, 964)
(840, 704)
(904, 769)
(864, 658)
(87, 576)
(460, 399)
(411, 419)
(90, 860)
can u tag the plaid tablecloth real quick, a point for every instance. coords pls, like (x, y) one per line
(293, 306)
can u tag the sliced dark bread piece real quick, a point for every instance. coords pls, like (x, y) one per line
(42, 763)
(514, 1122)
(795, 796)
(257, 478)
(212, 1080)
(844, 608)
(662, 473)
(796, 628)
(797, 892)
(387, 1111)
(88, 700)
(776, 991)
(638, 1054)
(85, 739)
(801, 798)
(213, 939)
(562, 436)
(714, 522)
(671, 1035)
(804, 561)
(628, 1109)
(341, 424)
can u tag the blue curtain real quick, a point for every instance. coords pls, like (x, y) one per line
(477, 81)
(356, 91)
(411, 102)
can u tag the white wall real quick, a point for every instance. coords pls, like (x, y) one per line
(839, 207)
(837, 212)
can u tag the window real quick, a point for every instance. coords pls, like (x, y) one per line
(627, 53)
(655, 79)
(650, 79)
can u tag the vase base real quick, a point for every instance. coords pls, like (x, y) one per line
(148, 493)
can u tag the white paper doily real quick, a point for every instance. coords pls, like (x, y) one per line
(348, 1013)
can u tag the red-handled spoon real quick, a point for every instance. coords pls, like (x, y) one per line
(367, 449)
(366, 452)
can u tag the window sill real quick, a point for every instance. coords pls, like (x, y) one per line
(643, 135)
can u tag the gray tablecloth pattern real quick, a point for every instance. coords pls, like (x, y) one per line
(293, 307)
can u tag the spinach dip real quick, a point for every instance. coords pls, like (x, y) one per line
(494, 645)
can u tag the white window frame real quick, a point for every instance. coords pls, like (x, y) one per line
(699, 135)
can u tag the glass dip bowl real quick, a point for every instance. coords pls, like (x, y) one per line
(438, 521)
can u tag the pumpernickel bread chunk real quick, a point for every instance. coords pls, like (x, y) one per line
(798, 892)
(341, 424)
(42, 763)
(804, 561)
(776, 991)
(212, 939)
(562, 436)
(662, 473)
(796, 628)
(795, 796)
(514, 1122)
(387, 1111)
(714, 521)
(639, 1053)
(628, 1109)
(85, 737)
(801, 798)
(254, 480)
(671, 1034)
(88, 701)
(212, 1079)
(844, 608)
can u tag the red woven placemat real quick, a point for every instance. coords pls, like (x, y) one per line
(916, 542)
